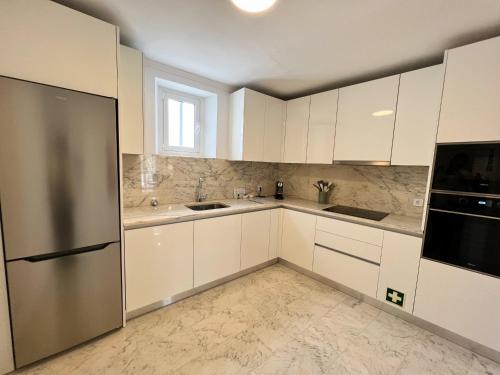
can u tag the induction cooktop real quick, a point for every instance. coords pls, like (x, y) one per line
(358, 212)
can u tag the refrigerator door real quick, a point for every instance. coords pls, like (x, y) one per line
(61, 302)
(58, 169)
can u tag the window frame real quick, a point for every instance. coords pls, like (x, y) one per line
(164, 94)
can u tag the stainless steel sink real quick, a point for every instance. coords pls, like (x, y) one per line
(207, 206)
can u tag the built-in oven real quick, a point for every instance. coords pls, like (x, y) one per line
(463, 221)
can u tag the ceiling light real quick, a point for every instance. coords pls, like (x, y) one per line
(254, 6)
(384, 112)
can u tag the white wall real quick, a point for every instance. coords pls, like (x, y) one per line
(154, 69)
(6, 360)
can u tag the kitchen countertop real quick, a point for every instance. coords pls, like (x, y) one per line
(140, 217)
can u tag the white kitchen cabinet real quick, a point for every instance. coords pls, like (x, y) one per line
(296, 129)
(275, 230)
(298, 238)
(349, 271)
(45, 42)
(470, 107)
(130, 109)
(6, 356)
(256, 124)
(417, 116)
(459, 300)
(365, 121)
(216, 248)
(255, 231)
(321, 134)
(274, 130)
(399, 268)
(158, 263)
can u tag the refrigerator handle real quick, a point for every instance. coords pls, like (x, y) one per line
(60, 254)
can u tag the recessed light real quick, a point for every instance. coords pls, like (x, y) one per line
(384, 112)
(254, 6)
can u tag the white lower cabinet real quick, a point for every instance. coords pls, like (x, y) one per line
(216, 248)
(255, 232)
(354, 273)
(462, 301)
(399, 270)
(275, 230)
(158, 263)
(298, 238)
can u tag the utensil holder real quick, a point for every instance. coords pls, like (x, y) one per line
(323, 197)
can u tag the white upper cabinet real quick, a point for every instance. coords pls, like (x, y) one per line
(45, 42)
(321, 134)
(130, 110)
(470, 108)
(417, 116)
(256, 122)
(274, 130)
(296, 129)
(365, 121)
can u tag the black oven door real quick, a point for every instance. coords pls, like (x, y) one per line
(464, 231)
(473, 168)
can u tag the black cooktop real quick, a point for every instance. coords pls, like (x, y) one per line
(358, 212)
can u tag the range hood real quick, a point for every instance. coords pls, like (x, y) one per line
(384, 163)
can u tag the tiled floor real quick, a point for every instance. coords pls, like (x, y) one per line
(274, 321)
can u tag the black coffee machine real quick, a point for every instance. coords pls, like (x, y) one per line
(279, 190)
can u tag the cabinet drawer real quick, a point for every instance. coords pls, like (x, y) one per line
(355, 231)
(346, 245)
(351, 272)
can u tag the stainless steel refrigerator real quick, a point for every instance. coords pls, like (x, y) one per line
(59, 200)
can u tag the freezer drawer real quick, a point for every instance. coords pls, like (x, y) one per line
(61, 302)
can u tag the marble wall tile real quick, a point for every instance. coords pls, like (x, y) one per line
(391, 189)
(174, 180)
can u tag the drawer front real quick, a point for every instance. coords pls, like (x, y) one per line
(358, 232)
(346, 245)
(351, 272)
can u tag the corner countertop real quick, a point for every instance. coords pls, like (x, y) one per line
(140, 217)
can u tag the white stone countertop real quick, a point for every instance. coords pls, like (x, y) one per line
(141, 217)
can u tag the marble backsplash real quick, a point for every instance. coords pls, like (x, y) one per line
(174, 180)
(390, 189)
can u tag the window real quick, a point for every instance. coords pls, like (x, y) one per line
(179, 123)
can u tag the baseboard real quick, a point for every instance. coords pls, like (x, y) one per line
(437, 330)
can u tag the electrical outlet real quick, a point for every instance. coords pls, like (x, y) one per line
(418, 202)
(239, 193)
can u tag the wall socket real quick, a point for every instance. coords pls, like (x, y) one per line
(418, 202)
(239, 193)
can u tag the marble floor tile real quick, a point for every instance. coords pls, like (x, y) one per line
(273, 321)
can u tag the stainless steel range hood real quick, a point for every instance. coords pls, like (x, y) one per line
(363, 162)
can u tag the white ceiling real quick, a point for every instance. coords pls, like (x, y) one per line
(299, 46)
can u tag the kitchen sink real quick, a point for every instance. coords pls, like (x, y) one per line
(207, 206)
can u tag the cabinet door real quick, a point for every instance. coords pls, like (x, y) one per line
(459, 300)
(6, 357)
(255, 230)
(399, 267)
(158, 263)
(296, 128)
(298, 238)
(274, 130)
(45, 42)
(276, 227)
(216, 248)
(130, 101)
(365, 121)
(417, 116)
(470, 109)
(321, 135)
(254, 125)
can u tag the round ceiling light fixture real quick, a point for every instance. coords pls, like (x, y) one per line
(254, 6)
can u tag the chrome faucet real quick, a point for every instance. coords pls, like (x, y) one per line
(200, 196)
